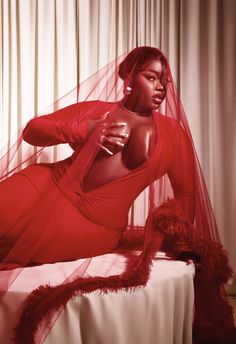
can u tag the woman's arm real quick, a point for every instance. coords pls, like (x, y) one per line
(62, 126)
(182, 172)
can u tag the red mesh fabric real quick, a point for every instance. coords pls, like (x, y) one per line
(45, 207)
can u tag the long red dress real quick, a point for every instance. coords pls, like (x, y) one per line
(39, 205)
(46, 216)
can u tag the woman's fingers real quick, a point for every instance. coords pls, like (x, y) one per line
(104, 116)
(105, 149)
(107, 124)
(107, 140)
(197, 265)
(110, 136)
(116, 124)
(113, 133)
(102, 139)
(113, 142)
(117, 134)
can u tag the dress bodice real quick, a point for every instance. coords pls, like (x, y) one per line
(109, 204)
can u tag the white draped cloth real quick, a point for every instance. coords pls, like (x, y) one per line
(162, 312)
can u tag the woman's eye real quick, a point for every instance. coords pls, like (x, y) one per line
(151, 78)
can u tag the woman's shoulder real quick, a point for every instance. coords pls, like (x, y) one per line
(170, 125)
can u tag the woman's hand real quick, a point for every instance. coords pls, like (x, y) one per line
(109, 135)
(190, 258)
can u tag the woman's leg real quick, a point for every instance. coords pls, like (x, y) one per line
(69, 235)
(17, 195)
(20, 197)
(42, 226)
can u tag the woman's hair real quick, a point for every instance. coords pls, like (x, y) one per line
(138, 58)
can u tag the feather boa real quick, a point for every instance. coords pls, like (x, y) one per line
(170, 232)
(213, 319)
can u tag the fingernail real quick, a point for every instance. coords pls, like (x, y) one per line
(125, 135)
(107, 150)
(120, 144)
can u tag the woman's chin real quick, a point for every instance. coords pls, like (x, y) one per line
(156, 107)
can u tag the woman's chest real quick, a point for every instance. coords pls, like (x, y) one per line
(138, 147)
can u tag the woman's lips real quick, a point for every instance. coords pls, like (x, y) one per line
(157, 99)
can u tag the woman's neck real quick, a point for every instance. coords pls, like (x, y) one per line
(126, 106)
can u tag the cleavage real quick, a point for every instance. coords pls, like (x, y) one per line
(138, 149)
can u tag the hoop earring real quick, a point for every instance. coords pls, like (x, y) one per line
(127, 90)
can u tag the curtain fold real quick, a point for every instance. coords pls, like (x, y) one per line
(48, 46)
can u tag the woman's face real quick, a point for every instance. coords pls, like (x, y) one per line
(148, 90)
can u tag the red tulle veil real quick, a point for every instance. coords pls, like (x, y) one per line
(166, 227)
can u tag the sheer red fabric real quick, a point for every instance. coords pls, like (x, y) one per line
(50, 212)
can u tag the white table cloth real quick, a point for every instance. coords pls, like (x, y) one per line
(160, 313)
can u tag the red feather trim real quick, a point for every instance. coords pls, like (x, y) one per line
(45, 300)
(213, 321)
(170, 232)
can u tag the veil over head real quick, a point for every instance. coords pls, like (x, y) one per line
(163, 224)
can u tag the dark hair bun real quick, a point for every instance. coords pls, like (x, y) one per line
(137, 58)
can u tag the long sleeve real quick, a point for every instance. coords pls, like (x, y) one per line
(182, 171)
(62, 126)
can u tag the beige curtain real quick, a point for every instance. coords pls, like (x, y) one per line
(48, 46)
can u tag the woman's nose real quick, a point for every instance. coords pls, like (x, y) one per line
(159, 86)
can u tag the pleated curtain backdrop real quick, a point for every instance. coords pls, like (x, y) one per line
(48, 46)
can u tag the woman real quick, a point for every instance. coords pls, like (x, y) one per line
(127, 135)
(79, 207)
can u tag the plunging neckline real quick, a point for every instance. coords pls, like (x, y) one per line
(135, 170)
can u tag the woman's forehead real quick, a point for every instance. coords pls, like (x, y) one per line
(152, 66)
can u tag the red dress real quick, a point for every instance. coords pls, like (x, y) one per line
(38, 205)
(45, 216)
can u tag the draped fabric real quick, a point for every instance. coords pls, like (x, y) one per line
(169, 223)
(59, 216)
(47, 47)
